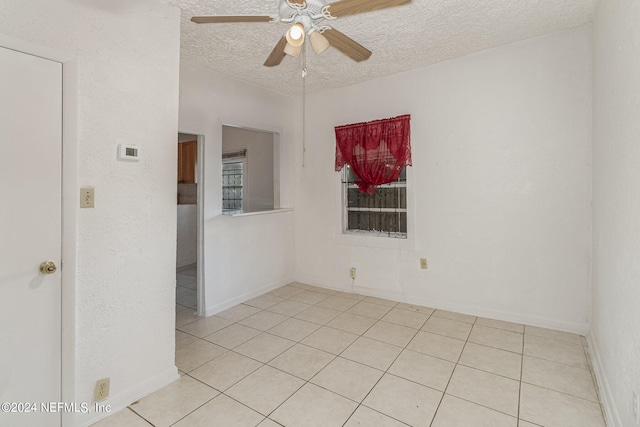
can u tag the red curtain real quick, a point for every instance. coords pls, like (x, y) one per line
(376, 151)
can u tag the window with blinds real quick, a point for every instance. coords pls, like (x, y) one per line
(383, 213)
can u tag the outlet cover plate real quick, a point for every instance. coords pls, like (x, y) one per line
(101, 391)
(87, 198)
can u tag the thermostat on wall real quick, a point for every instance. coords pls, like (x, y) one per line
(128, 152)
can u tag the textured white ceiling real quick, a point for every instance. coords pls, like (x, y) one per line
(402, 38)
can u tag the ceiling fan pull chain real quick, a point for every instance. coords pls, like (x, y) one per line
(304, 104)
(304, 65)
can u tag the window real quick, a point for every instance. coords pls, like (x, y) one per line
(383, 213)
(232, 185)
(374, 182)
(250, 170)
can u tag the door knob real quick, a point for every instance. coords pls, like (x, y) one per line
(48, 267)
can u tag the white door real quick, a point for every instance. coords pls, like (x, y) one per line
(30, 233)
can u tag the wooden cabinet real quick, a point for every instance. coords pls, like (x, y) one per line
(187, 158)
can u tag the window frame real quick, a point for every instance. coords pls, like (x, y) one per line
(243, 161)
(346, 185)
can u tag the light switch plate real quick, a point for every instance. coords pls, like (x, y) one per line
(87, 199)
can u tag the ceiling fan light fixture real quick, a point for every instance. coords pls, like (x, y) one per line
(304, 18)
(319, 43)
(291, 50)
(295, 35)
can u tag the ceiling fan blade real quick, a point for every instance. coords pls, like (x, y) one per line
(224, 19)
(352, 7)
(277, 54)
(347, 45)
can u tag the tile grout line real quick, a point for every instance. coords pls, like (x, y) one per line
(385, 372)
(524, 330)
(336, 356)
(481, 370)
(279, 354)
(263, 364)
(561, 392)
(444, 392)
(138, 415)
(134, 411)
(191, 412)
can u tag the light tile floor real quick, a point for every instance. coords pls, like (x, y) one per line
(306, 356)
(186, 287)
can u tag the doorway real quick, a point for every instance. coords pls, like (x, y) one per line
(189, 292)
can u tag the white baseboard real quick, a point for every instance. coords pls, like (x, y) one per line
(130, 395)
(217, 308)
(611, 415)
(525, 319)
(508, 316)
(310, 281)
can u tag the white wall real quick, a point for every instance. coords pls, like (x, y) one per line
(119, 276)
(499, 191)
(243, 256)
(258, 192)
(187, 244)
(615, 328)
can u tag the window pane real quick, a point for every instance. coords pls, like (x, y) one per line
(352, 197)
(232, 186)
(349, 175)
(385, 197)
(403, 174)
(402, 197)
(376, 213)
(389, 222)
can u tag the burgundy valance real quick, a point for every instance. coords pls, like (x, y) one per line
(376, 151)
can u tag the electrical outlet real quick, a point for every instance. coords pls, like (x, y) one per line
(423, 263)
(352, 272)
(636, 407)
(102, 390)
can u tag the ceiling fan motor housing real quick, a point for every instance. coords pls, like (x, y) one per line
(308, 13)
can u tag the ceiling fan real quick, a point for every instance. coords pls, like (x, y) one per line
(306, 17)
